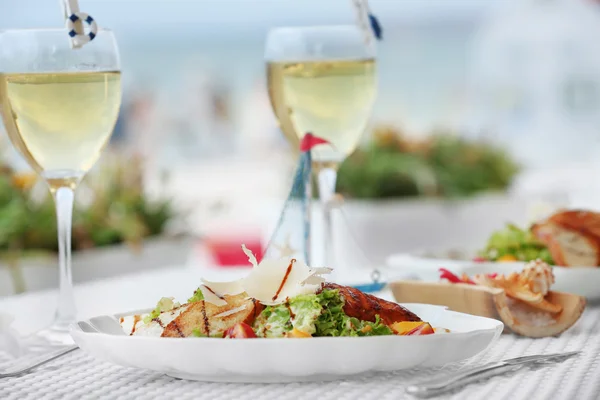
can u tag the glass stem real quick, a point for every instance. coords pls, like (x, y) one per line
(16, 273)
(327, 177)
(63, 198)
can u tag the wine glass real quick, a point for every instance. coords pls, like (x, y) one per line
(59, 106)
(322, 80)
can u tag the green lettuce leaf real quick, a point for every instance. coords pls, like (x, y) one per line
(334, 322)
(273, 322)
(367, 328)
(306, 309)
(198, 296)
(196, 332)
(320, 315)
(164, 304)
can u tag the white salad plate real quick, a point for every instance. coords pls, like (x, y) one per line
(583, 281)
(289, 360)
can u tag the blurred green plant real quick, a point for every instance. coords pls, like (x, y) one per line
(117, 210)
(443, 165)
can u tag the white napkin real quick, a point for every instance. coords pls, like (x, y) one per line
(9, 338)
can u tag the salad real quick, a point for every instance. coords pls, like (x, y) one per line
(278, 299)
(514, 244)
(315, 315)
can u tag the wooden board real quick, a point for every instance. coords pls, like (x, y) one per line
(491, 303)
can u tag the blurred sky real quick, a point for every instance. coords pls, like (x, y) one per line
(226, 16)
(170, 49)
(421, 61)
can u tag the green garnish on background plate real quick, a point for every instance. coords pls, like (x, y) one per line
(515, 244)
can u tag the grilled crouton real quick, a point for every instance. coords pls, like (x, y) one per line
(207, 319)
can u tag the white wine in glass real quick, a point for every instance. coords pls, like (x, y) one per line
(330, 99)
(275, 85)
(59, 106)
(60, 121)
(322, 80)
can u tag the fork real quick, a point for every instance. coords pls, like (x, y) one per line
(36, 363)
(437, 386)
(46, 358)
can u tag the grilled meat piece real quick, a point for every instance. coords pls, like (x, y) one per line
(366, 306)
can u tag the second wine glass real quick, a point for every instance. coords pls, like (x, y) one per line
(322, 80)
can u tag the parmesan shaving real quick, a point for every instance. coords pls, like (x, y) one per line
(250, 255)
(211, 296)
(225, 288)
(130, 323)
(272, 282)
(315, 277)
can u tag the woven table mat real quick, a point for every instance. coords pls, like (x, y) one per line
(79, 376)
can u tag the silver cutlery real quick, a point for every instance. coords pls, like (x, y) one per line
(46, 358)
(107, 324)
(437, 386)
(22, 368)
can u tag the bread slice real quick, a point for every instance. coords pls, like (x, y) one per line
(572, 237)
(209, 319)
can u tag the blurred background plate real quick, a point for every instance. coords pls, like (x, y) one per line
(577, 280)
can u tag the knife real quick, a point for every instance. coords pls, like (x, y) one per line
(438, 386)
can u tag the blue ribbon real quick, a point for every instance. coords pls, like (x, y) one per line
(376, 26)
(306, 166)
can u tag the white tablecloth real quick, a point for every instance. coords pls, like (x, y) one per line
(78, 376)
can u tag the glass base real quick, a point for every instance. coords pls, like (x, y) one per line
(55, 336)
